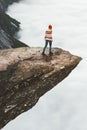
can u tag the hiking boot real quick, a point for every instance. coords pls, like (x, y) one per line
(51, 53)
(43, 53)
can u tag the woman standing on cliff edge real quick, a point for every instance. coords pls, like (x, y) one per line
(48, 39)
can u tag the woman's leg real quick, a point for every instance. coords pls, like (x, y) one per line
(46, 43)
(50, 46)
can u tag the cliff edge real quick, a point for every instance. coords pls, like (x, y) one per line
(25, 75)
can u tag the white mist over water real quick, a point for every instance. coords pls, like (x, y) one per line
(65, 106)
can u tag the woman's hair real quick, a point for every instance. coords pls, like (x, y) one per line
(50, 26)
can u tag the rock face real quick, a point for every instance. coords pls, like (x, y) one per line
(25, 75)
(4, 4)
(8, 28)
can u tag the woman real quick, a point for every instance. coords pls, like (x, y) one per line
(48, 39)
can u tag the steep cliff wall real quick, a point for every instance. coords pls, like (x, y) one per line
(8, 28)
(5, 3)
(25, 75)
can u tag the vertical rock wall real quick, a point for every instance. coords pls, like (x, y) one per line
(8, 28)
(4, 4)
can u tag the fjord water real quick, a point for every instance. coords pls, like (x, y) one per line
(65, 106)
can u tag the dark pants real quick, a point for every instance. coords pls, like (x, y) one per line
(50, 45)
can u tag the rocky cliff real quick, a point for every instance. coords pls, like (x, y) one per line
(5, 3)
(8, 28)
(25, 75)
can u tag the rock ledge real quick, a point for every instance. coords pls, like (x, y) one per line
(25, 75)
